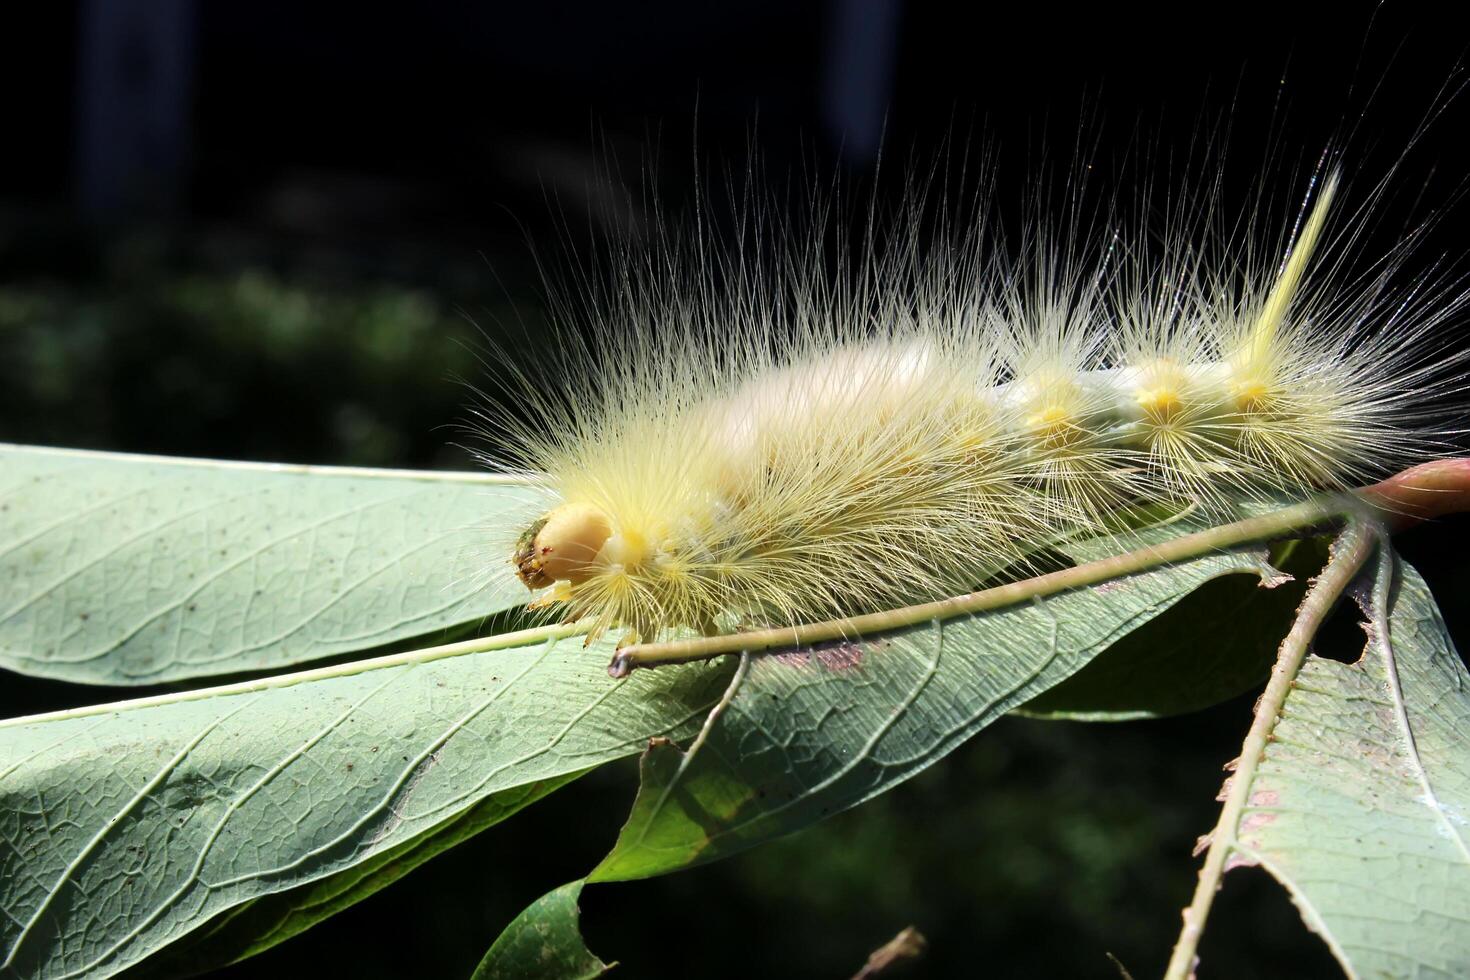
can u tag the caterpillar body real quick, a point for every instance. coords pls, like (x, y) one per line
(750, 441)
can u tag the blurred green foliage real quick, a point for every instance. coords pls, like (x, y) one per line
(138, 350)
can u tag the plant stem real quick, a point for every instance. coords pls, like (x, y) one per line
(1349, 552)
(1418, 493)
(1177, 549)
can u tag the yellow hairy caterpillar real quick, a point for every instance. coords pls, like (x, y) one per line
(749, 440)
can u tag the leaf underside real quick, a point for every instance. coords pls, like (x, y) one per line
(212, 828)
(134, 570)
(129, 830)
(257, 925)
(126, 831)
(1361, 803)
(811, 732)
(1218, 643)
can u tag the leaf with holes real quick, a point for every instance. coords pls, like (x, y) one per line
(1360, 805)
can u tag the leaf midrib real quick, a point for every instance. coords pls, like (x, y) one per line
(1383, 639)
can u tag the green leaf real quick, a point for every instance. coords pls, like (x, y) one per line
(126, 828)
(1215, 644)
(1361, 804)
(130, 826)
(141, 570)
(813, 731)
(264, 922)
(543, 941)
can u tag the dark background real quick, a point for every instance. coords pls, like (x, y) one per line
(274, 230)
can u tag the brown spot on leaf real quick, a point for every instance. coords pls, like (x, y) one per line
(1255, 821)
(839, 656)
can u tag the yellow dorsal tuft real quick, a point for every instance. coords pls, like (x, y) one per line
(1160, 403)
(1273, 314)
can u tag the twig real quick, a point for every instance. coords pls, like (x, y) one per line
(1419, 493)
(907, 945)
(1215, 539)
(1351, 549)
(1118, 965)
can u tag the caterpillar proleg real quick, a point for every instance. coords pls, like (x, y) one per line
(752, 440)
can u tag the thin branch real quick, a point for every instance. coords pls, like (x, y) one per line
(1419, 493)
(1349, 552)
(902, 949)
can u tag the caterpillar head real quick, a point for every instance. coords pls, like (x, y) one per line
(562, 546)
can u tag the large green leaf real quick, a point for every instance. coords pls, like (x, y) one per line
(1360, 805)
(129, 828)
(809, 732)
(139, 570)
(124, 830)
